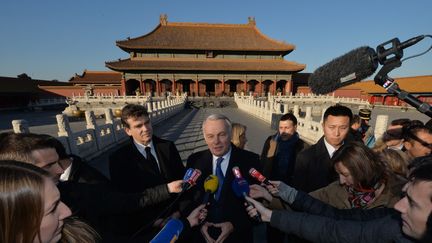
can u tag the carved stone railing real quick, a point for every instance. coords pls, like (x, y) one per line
(99, 103)
(96, 139)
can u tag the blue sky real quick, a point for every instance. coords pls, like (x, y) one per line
(52, 39)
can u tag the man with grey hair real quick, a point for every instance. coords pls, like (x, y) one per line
(226, 220)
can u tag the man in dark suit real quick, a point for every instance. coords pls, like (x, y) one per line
(145, 161)
(227, 220)
(313, 168)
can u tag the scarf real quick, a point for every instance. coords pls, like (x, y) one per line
(285, 157)
(362, 197)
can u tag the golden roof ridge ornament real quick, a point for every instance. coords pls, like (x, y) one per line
(163, 19)
(251, 21)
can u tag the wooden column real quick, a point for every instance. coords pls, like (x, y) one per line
(173, 87)
(223, 86)
(123, 86)
(259, 88)
(273, 87)
(288, 87)
(196, 88)
(157, 87)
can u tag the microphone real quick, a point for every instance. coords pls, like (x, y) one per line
(352, 67)
(236, 172)
(169, 233)
(188, 174)
(259, 177)
(356, 65)
(191, 181)
(211, 184)
(241, 189)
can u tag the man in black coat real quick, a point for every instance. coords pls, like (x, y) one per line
(279, 152)
(145, 161)
(313, 168)
(227, 219)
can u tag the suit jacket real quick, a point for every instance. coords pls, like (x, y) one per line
(229, 207)
(131, 173)
(313, 168)
(268, 155)
(84, 173)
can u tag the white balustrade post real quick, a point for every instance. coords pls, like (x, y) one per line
(90, 119)
(296, 111)
(64, 130)
(109, 116)
(285, 108)
(20, 126)
(308, 113)
(380, 125)
(278, 108)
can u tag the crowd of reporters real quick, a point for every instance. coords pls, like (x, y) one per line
(344, 188)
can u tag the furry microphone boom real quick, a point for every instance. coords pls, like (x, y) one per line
(352, 67)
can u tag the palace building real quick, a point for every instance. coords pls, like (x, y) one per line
(204, 59)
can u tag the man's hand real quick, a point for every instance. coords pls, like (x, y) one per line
(197, 215)
(175, 186)
(274, 188)
(226, 229)
(258, 207)
(204, 232)
(257, 191)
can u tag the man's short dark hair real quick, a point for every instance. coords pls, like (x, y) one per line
(355, 119)
(401, 122)
(338, 110)
(132, 111)
(289, 117)
(19, 146)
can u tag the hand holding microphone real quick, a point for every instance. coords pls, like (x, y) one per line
(257, 209)
(190, 178)
(259, 177)
(241, 188)
(175, 186)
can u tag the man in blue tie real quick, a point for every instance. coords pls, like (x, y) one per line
(226, 220)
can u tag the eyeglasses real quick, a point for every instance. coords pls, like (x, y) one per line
(425, 144)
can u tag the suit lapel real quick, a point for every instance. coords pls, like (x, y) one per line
(162, 156)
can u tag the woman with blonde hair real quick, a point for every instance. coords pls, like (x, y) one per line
(238, 137)
(396, 160)
(31, 210)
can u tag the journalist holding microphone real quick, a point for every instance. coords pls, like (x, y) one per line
(313, 220)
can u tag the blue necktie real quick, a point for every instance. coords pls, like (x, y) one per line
(220, 176)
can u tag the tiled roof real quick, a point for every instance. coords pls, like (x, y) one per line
(210, 64)
(106, 77)
(204, 36)
(415, 84)
(23, 85)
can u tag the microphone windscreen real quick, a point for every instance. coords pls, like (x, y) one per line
(352, 67)
(211, 183)
(188, 174)
(236, 172)
(170, 232)
(240, 187)
(257, 175)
